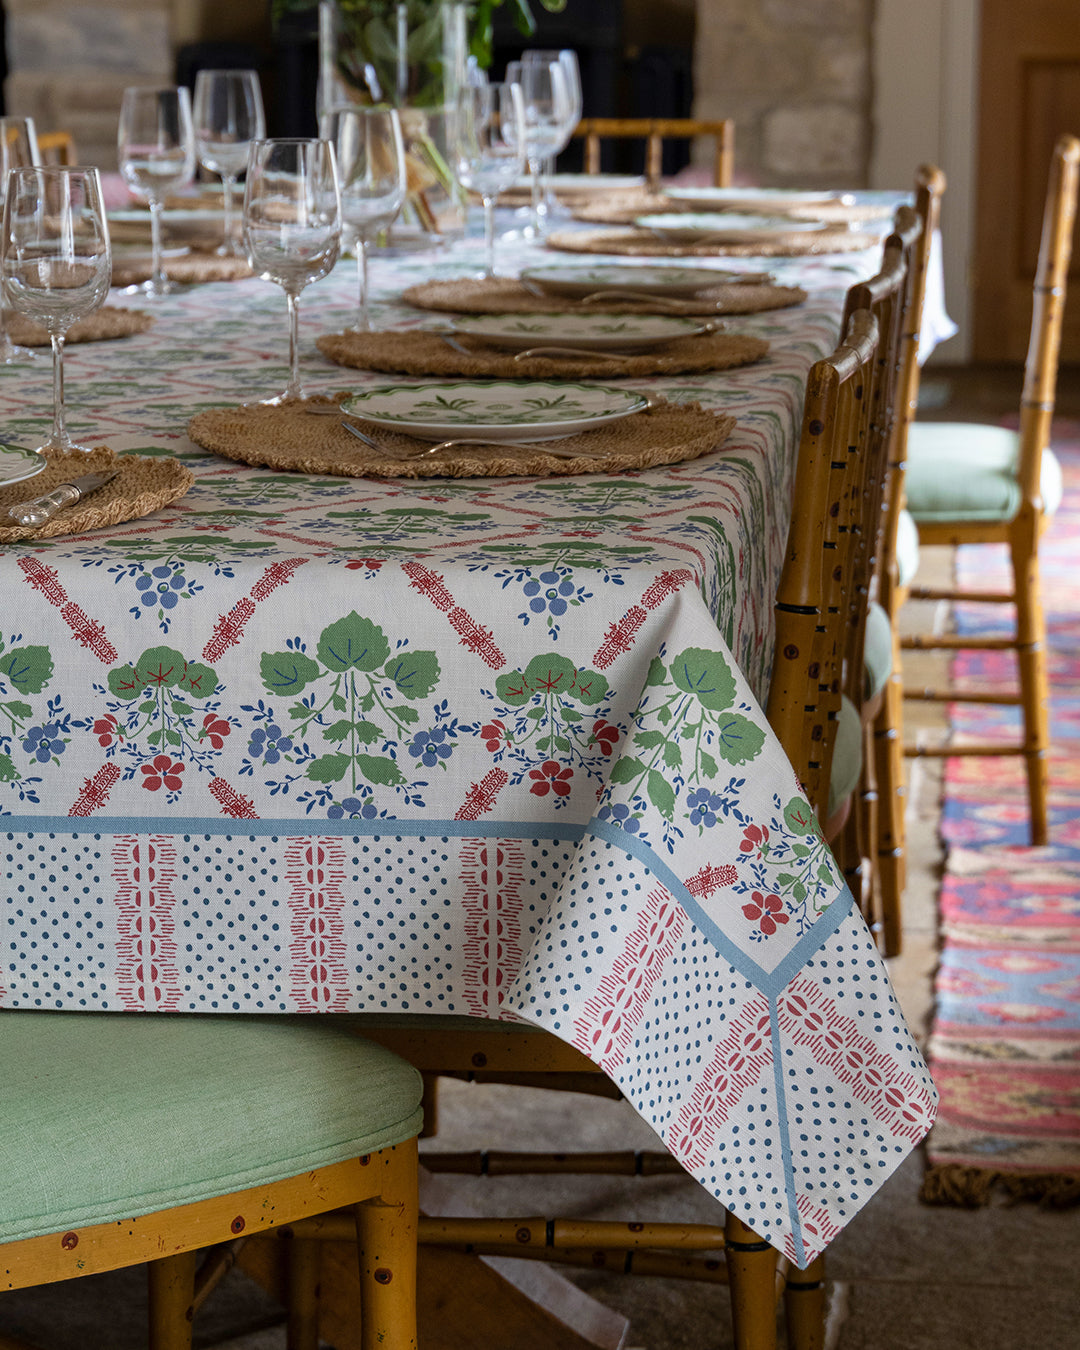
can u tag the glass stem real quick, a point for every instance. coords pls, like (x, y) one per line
(293, 389)
(59, 440)
(535, 170)
(7, 349)
(489, 235)
(227, 184)
(363, 323)
(158, 281)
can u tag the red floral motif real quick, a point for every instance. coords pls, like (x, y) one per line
(372, 564)
(163, 769)
(105, 728)
(215, 729)
(754, 837)
(550, 777)
(767, 908)
(494, 733)
(605, 736)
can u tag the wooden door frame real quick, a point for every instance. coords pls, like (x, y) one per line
(925, 63)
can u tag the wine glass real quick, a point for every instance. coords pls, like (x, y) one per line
(55, 260)
(568, 63)
(156, 147)
(228, 116)
(489, 148)
(547, 105)
(18, 148)
(292, 224)
(371, 171)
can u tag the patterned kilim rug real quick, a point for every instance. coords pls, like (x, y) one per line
(1005, 1049)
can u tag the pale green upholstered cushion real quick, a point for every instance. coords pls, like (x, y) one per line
(967, 472)
(108, 1116)
(877, 651)
(907, 548)
(847, 756)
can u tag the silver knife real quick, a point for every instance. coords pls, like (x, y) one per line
(39, 509)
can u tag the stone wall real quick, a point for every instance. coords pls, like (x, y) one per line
(795, 76)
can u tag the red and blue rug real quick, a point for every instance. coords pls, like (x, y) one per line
(1005, 1047)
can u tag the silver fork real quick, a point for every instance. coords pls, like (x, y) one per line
(545, 449)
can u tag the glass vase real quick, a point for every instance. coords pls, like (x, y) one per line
(411, 54)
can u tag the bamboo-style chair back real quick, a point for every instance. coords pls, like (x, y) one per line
(654, 131)
(837, 468)
(57, 147)
(1051, 276)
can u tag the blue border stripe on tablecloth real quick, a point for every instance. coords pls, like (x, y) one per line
(785, 1136)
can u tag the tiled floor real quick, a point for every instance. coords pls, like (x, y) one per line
(903, 1276)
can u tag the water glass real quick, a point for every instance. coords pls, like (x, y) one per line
(228, 116)
(489, 148)
(156, 149)
(18, 149)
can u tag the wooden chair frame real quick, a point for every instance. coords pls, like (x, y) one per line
(1022, 533)
(56, 147)
(654, 131)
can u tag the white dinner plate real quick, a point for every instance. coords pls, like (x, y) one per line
(496, 410)
(580, 280)
(586, 183)
(599, 332)
(17, 464)
(725, 227)
(765, 200)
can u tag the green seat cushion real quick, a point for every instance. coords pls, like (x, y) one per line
(907, 548)
(877, 651)
(959, 471)
(847, 756)
(108, 1116)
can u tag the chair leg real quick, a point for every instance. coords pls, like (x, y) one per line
(804, 1307)
(1034, 686)
(892, 801)
(172, 1292)
(302, 1328)
(751, 1267)
(386, 1233)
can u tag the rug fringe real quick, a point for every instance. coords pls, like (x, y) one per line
(973, 1187)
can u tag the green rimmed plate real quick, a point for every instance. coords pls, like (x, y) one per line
(17, 464)
(591, 332)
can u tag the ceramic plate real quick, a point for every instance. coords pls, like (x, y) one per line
(583, 280)
(585, 183)
(725, 227)
(600, 332)
(752, 199)
(17, 464)
(497, 410)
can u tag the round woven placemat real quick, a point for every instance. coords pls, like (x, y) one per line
(104, 324)
(145, 483)
(504, 295)
(623, 208)
(644, 244)
(423, 353)
(289, 436)
(194, 267)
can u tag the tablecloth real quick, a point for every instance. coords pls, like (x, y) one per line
(488, 747)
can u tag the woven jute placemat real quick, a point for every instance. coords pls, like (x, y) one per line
(192, 268)
(424, 353)
(504, 295)
(144, 484)
(623, 208)
(644, 244)
(101, 326)
(289, 436)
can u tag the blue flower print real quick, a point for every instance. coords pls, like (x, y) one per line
(43, 742)
(269, 743)
(161, 586)
(550, 591)
(352, 807)
(620, 815)
(430, 746)
(703, 806)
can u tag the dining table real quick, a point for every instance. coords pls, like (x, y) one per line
(495, 746)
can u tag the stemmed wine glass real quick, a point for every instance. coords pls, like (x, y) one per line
(228, 116)
(547, 104)
(156, 147)
(18, 149)
(55, 261)
(489, 148)
(371, 172)
(292, 224)
(568, 63)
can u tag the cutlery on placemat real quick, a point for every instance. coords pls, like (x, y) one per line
(40, 509)
(544, 449)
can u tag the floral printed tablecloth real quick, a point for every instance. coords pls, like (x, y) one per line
(491, 747)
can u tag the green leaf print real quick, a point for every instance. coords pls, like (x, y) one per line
(738, 739)
(198, 679)
(353, 643)
(414, 674)
(339, 730)
(704, 674)
(378, 769)
(328, 768)
(124, 683)
(626, 770)
(707, 764)
(160, 668)
(648, 739)
(28, 669)
(8, 772)
(661, 794)
(799, 818)
(288, 673)
(672, 755)
(657, 673)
